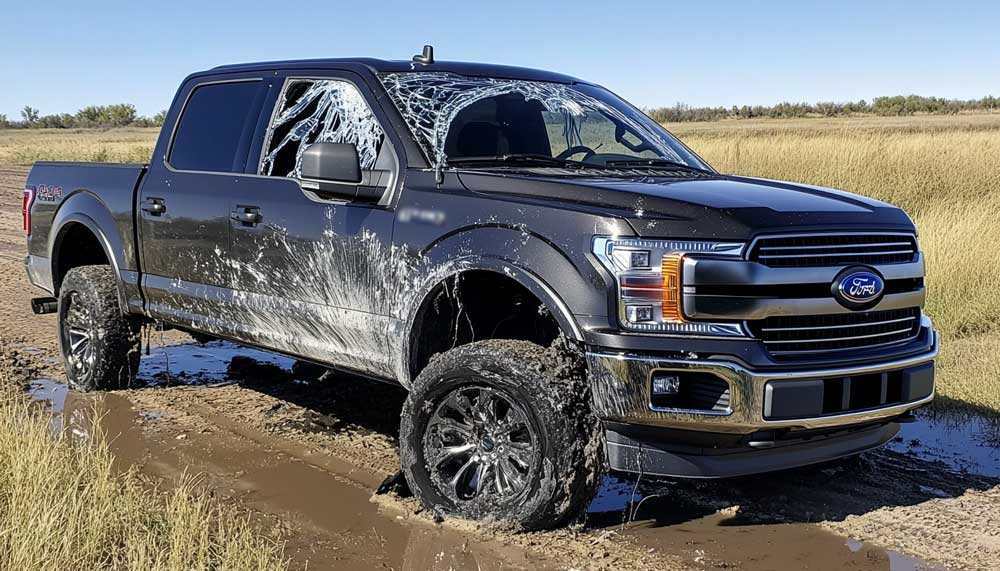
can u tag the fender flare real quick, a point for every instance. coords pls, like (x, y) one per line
(61, 223)
(526, 278)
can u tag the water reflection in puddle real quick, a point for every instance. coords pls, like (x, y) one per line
(963, 442)
(192, 363)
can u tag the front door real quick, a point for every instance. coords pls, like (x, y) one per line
(183, 205)
(315, 275)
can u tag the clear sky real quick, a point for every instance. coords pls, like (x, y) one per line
(59, 55)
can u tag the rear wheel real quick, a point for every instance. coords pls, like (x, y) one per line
(100, 345)
(499, 430)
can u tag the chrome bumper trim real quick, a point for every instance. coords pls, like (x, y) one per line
(620, 385)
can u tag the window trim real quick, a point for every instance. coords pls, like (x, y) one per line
(180, 116)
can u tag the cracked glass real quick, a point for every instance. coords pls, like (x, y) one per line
(454, 116)
(319, 111)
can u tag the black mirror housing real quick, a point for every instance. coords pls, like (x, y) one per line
(331, 162)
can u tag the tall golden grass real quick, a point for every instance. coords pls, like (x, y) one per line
(128, 145)
(945, 172)
(63, 507)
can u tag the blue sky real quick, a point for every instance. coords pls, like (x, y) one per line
(61, 55)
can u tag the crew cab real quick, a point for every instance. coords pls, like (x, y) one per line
(561, 284)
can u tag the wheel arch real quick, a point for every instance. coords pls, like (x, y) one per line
(74, 241)
(501, 270)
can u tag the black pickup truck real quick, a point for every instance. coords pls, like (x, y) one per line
(562, 285)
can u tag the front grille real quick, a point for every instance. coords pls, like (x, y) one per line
(804, 335)
(814, 250)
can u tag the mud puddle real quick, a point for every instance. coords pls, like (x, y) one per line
(194, 364)
(726, 540)
(325, 503)
(322, 507)
(966, 443)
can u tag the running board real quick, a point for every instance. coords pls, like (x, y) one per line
(43, 305)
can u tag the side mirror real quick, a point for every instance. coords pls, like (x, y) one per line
(331, 162)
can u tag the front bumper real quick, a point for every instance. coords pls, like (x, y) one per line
(621, 393)
(757, 432)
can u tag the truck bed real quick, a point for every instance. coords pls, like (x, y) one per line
(102, 196)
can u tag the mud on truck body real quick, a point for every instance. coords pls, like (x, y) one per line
(562, 285)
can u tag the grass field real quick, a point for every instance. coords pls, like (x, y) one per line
(25, 146)
(64, 507)
(944, 170)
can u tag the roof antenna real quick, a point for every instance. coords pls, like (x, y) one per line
(426, 57)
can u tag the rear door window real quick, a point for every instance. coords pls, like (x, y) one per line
(215, 127)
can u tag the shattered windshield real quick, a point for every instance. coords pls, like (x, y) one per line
(461, 120)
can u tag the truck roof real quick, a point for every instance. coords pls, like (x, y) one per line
(394, 66)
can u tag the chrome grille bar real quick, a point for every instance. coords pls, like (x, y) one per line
(850, 338)
(833, 249)
(832, 255)
(833, 246)
(824, 334)
(821, 351)
(873, 323)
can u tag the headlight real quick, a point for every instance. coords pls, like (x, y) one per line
(650, 282)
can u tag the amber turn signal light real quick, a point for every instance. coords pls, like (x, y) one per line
(671, 267)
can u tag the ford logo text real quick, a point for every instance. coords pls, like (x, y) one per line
(858, 288)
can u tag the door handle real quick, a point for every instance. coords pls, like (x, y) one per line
(246, 215)
(154, 206)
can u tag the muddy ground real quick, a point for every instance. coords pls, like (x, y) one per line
(304, 457)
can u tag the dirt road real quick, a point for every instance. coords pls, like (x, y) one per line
(303, 457)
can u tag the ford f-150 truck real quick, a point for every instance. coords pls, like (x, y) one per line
(562, 286)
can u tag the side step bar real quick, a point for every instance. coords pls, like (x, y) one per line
(43, 305)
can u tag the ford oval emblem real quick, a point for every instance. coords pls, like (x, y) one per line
(858, 288)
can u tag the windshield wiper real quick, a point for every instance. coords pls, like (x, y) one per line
(655, 163)
(526, 159)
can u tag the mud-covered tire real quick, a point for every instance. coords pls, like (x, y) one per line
(100, 345)
(548, 387)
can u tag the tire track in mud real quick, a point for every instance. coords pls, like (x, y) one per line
(346, 428)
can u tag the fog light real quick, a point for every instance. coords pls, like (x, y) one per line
(666, 384)
(637, 313)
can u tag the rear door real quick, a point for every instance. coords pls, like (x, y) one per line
(183, 205)
(317, 274)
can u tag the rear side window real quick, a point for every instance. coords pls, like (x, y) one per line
(214, 127)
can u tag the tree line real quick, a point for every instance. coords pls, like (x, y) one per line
(125, 115)
(101, 116)
(897, 105)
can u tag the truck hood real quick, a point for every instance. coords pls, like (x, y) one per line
(718, 207)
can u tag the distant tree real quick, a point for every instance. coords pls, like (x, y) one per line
(4, 122)
(118, 115)
(29, 114)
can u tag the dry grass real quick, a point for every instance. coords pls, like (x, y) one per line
(945, 171)
(25, 146)
(63, 507)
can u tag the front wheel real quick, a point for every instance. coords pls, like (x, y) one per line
(100, 345)
(501, 430)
